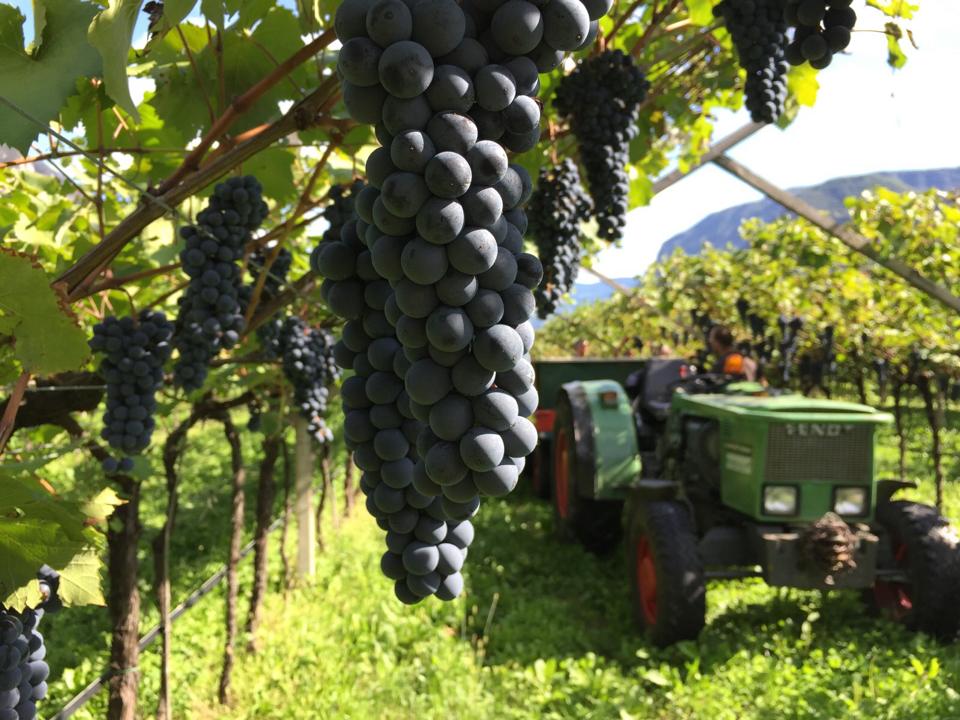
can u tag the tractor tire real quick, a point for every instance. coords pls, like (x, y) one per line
(667, 583)
(595, 524)
(925, 547)
(538, 469)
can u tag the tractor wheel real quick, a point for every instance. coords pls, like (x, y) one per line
(924, 547)
(595, 524)
(667, 583)
(538, 468)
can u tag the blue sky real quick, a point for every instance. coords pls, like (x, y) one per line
(868, 118)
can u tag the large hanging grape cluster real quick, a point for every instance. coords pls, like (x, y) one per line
(269, 332)
(821, 28)
(601, 100)
(432, 277)
(134, 352)
(309, 366)
(23, 670)
(211, 310)
(758, 31)
(555, 211)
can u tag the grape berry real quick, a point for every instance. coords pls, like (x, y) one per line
(821, 29)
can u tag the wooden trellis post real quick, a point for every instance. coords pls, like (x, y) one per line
(303, 509)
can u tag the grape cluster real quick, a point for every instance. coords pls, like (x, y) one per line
(309, 366)
(789, 342)
(601, 100)
(556, 208)
(23, 671)
(821, 28)
(134, 352)
(425, 549)
(211, 310)
(758, 31)
(269, 332)
(432, 278)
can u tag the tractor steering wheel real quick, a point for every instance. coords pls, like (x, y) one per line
(702, 383)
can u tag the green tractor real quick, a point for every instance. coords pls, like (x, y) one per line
(707, 478)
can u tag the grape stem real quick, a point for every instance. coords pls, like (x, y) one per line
(9, 419)
(243, 103)
(302, 206)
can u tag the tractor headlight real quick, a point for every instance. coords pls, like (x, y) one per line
(780, 500)
(850, 501)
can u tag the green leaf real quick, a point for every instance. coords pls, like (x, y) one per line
(40, 82)
(176, 10)
(47, 339)
(111, 33)
(25, 545)
(214, 11)
(701, 11)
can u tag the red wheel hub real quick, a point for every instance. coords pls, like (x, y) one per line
(894, 598)
(561, 473)
(646, 577)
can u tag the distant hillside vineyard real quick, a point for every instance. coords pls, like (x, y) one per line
(722, 228)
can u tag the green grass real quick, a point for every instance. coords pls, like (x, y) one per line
(543, 631)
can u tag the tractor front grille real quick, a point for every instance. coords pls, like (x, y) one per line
(819, 451)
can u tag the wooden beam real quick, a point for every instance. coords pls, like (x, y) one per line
(716, 150)
(843, 232)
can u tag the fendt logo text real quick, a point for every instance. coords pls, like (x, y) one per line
(817, 429)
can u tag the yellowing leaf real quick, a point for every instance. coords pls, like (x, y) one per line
(802, 84)
(80, 580)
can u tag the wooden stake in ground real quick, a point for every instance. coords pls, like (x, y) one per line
(285, 574)
(236, 539)
(123, 536)
(306, 522)
(350, 489)
(266, 492)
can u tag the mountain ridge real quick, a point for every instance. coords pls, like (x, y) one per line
(722, 228)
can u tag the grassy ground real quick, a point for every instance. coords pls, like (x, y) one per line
(542, 632)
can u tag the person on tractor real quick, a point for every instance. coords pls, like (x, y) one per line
(729, 360)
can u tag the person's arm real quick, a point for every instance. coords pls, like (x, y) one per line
(750, 368)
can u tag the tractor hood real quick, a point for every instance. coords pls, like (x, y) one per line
(783, 407)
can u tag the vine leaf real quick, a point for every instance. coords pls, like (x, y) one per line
(176, 10)
(701, 11)
(47, 339)
(80, 580)
(40, 81)
(111, 33)
(38, 528)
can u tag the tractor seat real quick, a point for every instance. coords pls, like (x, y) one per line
(659, 384)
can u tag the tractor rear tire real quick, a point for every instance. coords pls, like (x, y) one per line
(925, 547)
(667, 583)
(595, 524)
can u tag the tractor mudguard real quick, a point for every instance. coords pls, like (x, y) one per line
(888, 486)
(605, 439)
